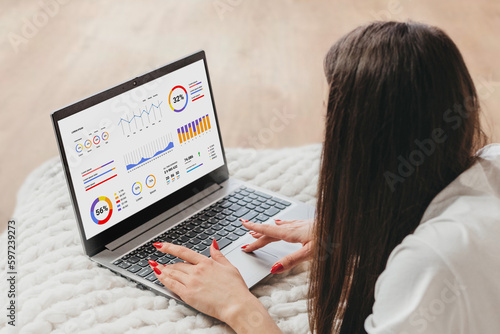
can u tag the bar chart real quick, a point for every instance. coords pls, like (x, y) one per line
(194, 128)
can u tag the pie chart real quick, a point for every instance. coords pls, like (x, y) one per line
(178, 98)
(101, 210)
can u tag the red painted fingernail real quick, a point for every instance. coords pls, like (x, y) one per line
(244, 246)
(251, 232)
(153, 263)
(276, 268)
(242, 220)
(157, 271)
(277, 220)
(215, 244)
(158, 245)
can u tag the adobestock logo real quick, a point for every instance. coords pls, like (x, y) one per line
(32, 26)
(278, 122)
(394, 8)
(416, 158)
(225, 6)
(425, 315)
(454, 117)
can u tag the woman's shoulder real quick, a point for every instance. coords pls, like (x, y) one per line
(432, 287)
(473, 191)
(463, 222)
(490, 151)
(417, 292)
(442, 278)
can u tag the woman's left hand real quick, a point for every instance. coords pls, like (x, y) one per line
(213, 286)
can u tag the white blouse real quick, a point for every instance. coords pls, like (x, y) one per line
(445, 277)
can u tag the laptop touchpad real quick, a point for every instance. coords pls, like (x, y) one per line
(252, 266)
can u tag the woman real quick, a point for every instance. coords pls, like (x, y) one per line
(402, 129)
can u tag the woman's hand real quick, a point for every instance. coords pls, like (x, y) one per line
(213, 286)
(290, 231)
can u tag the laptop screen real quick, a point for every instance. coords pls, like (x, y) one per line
(130, 151)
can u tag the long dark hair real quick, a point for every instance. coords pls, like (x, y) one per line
(402, 122)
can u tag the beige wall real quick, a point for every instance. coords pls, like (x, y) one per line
(265, 60)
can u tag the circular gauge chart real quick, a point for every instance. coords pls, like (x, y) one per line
(105, 135)
(137, 188)
(97, 140)
(150, 181)
(178, 98)
(79, 148)
(101, 210)
(88, 143)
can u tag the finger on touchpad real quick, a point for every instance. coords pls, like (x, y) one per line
(252, 266)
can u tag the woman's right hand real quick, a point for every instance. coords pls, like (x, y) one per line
(290, 231)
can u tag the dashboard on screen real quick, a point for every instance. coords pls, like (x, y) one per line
(130, 151)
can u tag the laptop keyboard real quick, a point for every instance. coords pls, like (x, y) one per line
(220, 221)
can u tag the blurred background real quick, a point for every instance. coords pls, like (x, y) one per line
(265, 60)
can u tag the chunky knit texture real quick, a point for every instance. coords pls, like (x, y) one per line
(61, 290)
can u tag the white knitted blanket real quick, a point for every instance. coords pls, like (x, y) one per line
(60, 290)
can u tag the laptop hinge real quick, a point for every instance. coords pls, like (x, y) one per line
(161, 218)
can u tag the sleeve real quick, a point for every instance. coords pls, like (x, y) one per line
(417, 293)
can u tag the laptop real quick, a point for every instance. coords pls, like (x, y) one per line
(144, 163)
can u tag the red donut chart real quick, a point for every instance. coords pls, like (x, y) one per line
(182, 98)
(96, 214)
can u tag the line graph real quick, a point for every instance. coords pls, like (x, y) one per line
(148, 152)
(147, 116)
